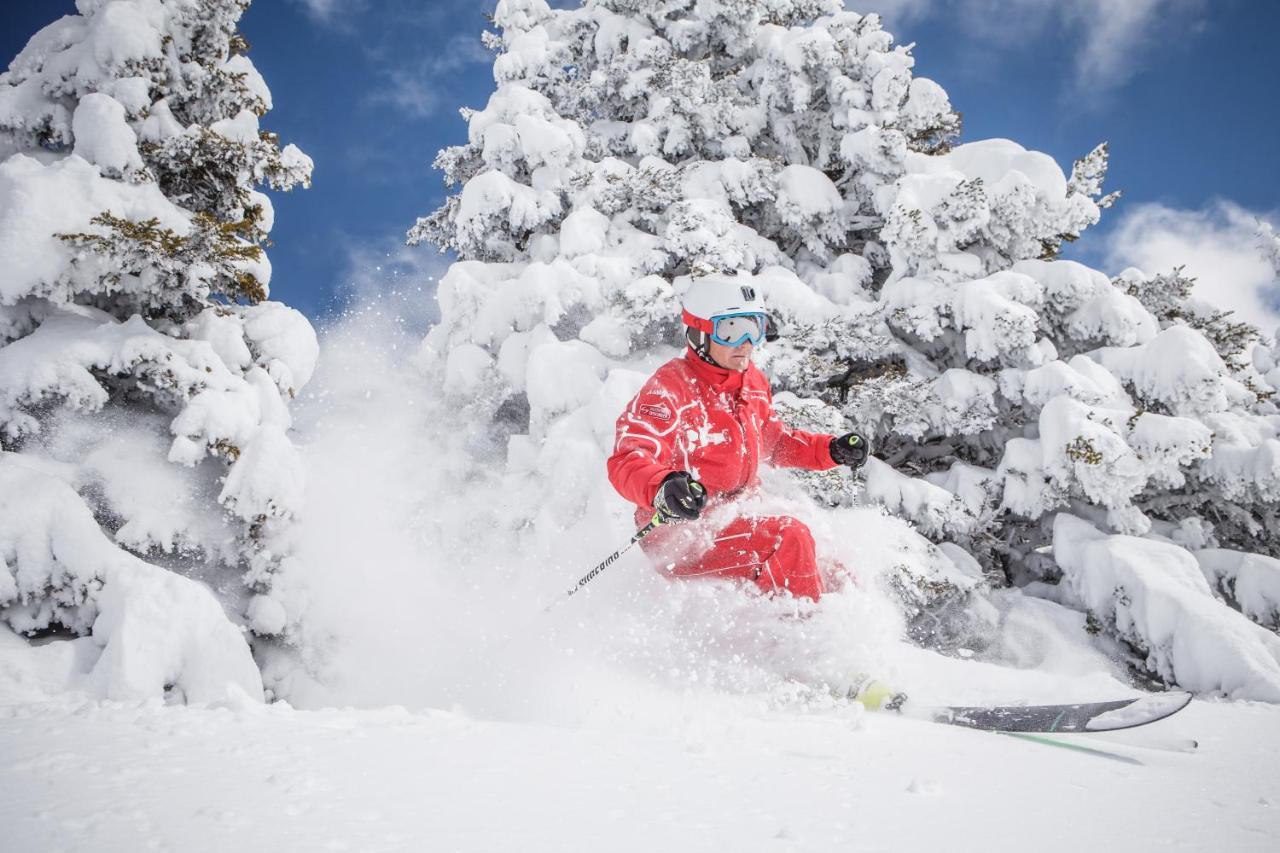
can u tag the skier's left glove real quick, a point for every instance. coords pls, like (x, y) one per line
(850, 449)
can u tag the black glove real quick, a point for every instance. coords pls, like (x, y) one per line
(850, 449)
(680, 496)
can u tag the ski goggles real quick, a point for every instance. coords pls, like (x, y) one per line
(734, 330)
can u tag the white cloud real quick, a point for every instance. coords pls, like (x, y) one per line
(409, 92)
(1116, 36)
(1111, 38)
(411, 77)
(1219, 246)
(330, 11)
(897, 12)
(415, 88)
(461, 50)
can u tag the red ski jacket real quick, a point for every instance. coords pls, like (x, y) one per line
(715, 423)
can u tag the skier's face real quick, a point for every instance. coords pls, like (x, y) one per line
(733, 358)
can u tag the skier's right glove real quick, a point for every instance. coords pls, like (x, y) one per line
(680, 497)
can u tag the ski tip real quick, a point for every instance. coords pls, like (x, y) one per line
(1141, 711)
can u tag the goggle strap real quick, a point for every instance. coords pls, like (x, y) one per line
(697, 322)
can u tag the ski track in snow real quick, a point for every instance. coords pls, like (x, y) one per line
(108, 776)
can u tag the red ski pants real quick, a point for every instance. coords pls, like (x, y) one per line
(775, 553)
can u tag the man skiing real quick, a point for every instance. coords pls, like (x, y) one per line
(694, 438)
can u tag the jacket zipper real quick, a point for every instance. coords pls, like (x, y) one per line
(750, 452)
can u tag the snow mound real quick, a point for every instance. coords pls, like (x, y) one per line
(1178, 368)
(1248, 582)
(154, 630)
(103, 136)
(1156, 598)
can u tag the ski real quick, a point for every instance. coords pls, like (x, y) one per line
(1084, 717)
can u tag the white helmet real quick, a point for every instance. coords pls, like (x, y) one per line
(725, 310)
(716, 295)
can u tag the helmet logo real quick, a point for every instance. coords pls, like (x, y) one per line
(748, 293)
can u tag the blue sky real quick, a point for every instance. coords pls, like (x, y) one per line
(1183, 90)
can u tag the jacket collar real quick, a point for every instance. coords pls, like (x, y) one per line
(720, 378)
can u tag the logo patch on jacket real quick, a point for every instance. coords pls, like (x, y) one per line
(658, 411)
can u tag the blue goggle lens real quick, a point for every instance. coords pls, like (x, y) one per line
(733, 330)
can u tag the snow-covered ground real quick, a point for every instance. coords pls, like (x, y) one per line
(134, 777)
(442, 710)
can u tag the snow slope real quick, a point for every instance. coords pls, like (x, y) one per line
(435, 707)
(129, 777)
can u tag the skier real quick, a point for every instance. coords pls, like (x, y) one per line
(694, 438)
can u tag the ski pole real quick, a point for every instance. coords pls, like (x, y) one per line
(653, 524)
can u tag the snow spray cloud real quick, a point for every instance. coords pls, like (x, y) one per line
(412, 591)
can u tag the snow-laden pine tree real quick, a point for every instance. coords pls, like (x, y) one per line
(144, 376)
(1269, 243)
(1267, 359)
(1055, 430)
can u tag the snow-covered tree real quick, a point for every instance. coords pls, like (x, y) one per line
(144, 376)
(1269, 242)
(1266, 356)
(630, 146)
